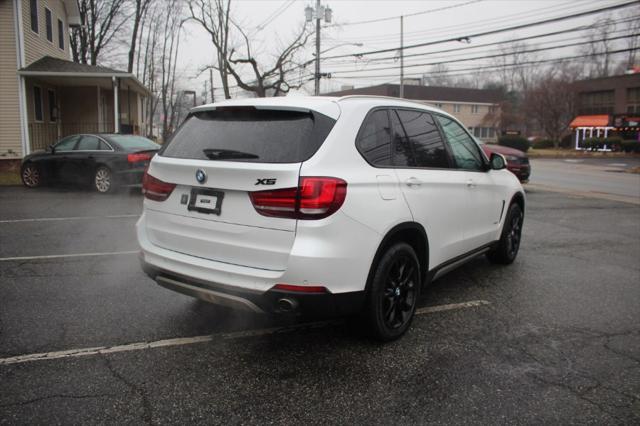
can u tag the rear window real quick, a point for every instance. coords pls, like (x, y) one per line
(133, 143)
(250, 135)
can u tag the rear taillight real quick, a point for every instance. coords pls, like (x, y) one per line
(138, 157)
(155, 189)
(314, 198)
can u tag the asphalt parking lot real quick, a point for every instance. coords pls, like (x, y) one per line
(85, 337)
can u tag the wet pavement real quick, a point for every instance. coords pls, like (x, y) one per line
(553, 338)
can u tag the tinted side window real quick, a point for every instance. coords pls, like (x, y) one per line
(104, 147)
(67, 143)
(465, 151)
(374, 139)
(424, 138)
(88, 143)
(402, 152)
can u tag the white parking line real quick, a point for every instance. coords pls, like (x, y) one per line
(46, 219)
(60, 256)
(181, 341)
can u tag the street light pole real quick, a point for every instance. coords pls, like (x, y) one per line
(317, 74)
(402, 56)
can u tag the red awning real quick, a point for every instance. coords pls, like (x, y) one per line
(590, 121)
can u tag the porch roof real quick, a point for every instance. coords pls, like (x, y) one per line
(62, 69)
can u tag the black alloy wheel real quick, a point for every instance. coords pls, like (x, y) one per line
(507, 249)
(394, 292)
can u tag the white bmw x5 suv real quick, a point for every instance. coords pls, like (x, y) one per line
(323, 206)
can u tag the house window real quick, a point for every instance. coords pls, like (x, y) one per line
(60, 34)
(492, 109)
(476, 131)
(37, 103)
(633, 100)
(53, 109)
(485, 133)
(49, 24)
(474, 109)
(492, 132)
(34, 15)
(456, 108)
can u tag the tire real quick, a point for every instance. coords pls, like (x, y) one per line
(507, 249)
(393, 294)
(103, 181)
(31, 175)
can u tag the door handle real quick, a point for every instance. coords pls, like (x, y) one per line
(471, 183)
(413, 181)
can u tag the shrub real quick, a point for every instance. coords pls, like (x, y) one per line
(630, 145)
(568, 141)
(593, 144)
(516, 142)
(543, 144)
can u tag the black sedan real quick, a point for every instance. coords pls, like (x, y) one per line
(104, 161)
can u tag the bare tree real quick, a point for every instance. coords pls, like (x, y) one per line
(273, 80)
(102, 19)
(438, 75)
(138, 15)
(600, 43)
(213, 16)
(551, 102)
(240, 62)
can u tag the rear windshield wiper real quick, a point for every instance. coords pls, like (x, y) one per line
(224, 154)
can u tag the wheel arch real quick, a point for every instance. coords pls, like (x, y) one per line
(413, 234)
(518, 198)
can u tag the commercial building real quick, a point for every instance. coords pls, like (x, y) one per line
(608, 106)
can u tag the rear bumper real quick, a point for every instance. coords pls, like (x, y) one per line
(130, 177)
(268, 302)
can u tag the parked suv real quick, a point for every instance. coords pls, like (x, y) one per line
(323, 206)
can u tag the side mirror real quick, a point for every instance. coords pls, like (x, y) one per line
(51, 149)
(498, 161)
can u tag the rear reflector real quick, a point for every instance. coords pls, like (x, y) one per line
(314, 198)
(300, 288)
(138, 157)
(155, 189)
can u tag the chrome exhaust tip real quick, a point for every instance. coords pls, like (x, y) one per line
(286, 305)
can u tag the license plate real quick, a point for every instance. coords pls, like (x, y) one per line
(204, 200)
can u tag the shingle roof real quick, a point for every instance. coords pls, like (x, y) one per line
(427, 93)
(51, 64)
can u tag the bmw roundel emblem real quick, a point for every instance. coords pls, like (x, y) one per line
(201, 176)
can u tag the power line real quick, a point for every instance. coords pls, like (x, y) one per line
(490, 32)
(407, 15)
(447, 30)
(513, 40)
(498, 55)
(502, 66)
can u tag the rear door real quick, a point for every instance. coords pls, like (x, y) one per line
(435, 192)
(484, 203)
(216, 159)
(61, 160)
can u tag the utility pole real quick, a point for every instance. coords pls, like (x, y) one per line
(317, 74)
(318, 13)
(402, 56)
(211, 83)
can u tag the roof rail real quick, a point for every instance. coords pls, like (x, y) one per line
(347, 97)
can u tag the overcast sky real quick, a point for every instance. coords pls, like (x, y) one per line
(461, 18)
